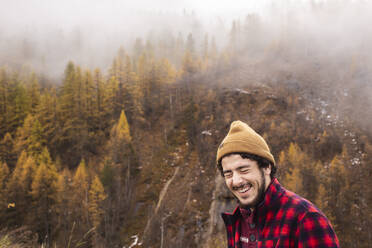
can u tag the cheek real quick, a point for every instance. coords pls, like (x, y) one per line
(228, 183)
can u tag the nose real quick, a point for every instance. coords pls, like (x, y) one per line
(237, 180)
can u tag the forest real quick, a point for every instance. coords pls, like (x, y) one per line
(124, 156)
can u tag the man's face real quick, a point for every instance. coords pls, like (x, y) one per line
(245, 179)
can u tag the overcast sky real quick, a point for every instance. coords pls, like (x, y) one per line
(21, 13)
(51, 27)
(74, 7)
(104, 25)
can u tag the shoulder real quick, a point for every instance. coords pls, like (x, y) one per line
(315, 230)
(300, 206)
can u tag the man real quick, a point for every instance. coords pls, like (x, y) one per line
(268, 215)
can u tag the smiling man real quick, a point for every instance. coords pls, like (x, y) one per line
(268, 215)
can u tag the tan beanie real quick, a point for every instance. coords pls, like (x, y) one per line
(242, 138)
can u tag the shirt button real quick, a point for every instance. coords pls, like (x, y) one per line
(252, 238)
(252, 225)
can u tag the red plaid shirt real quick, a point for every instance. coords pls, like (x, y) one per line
(284, 220)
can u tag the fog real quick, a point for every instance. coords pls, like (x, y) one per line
(45, 35)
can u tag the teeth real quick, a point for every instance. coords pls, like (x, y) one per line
(245, 188)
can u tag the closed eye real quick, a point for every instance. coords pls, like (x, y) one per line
(227, 174)
(244, 169)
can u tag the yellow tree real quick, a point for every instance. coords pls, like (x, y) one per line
(44, 194)
(96, 197)
(111, 107)
(46, 113)
(18, 170)
(116, 173)
(131, 88)
(295, 161)
(96, 209)
(167, 75)
(4, 173)
(88, 94)
(34, 92)
(4, 102)
(343, 196)
(189, 65)
(295, 155)
(323, 199)
(118, 65)
(17, 103)
(142, 92)
(80, 186)
(282, 164)
(71, 137)
(120, 139)
(117, 72)
(293, 180)
(121, 129)
(7, 153)
(30, 137)
(18, 189)
(142, 71)
(92, 120)
(64, 206)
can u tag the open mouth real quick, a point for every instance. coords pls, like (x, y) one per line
(244, 188)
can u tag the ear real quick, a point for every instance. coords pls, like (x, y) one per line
(267, 170)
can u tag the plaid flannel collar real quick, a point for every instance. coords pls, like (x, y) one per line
(273, 192)
(232, 220)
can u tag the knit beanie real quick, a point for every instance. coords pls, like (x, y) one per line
(242, 138)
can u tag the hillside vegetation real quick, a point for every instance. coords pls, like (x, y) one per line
(127, 157)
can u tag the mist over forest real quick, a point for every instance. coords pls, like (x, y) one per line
(111, 113)
(332, 35)
(46, 35)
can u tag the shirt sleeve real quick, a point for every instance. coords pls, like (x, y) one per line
(315, 231)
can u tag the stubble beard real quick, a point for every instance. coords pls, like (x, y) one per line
(260, 194)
